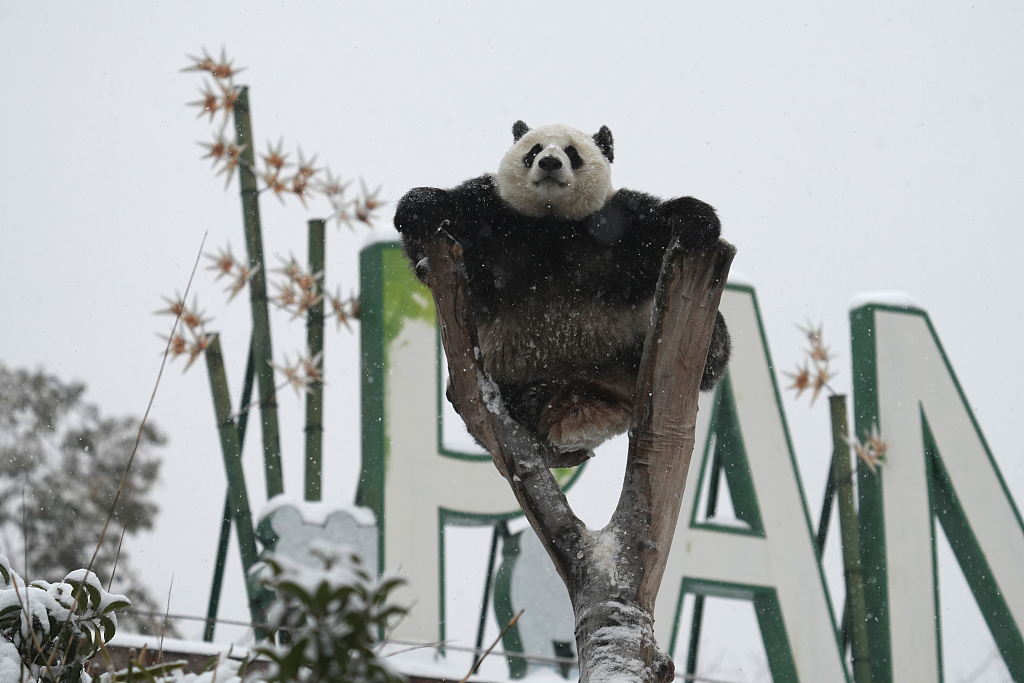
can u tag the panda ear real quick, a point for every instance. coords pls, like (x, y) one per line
(519, 129)
(603, 138)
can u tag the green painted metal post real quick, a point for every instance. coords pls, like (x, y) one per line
(698, 600)
(850, 535)
(263, 353)
(695, 626)
(315, 344)
(231, 448)
(500, 532)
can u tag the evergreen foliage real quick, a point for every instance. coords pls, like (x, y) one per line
(49, 632)
(328, 620)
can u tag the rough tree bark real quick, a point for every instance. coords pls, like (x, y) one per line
(612, 574)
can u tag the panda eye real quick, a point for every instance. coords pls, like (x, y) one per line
(531, 155)
(574, 157)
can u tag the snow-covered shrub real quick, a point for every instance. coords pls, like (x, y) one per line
(328, 619)
(50, 630)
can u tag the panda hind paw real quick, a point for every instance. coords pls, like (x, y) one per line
(575, 420)
(569, 458)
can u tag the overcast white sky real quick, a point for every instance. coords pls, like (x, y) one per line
(848, 148)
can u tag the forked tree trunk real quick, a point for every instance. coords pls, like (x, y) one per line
(613, 574)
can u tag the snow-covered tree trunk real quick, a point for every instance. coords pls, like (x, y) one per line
(613, 574)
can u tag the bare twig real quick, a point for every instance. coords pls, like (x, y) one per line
(167, 611)
(32, 631)
(438, 643)
(120, 541)
(476, 665)
(24, 529)
(17, 593)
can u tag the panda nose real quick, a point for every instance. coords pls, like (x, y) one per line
(550, 163)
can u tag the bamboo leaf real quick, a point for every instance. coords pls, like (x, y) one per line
(109, 627)
(116, 605)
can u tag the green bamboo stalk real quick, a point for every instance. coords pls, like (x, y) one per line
(225, 527)
(850, 534)
(315, 343)
(826, 510)
(258, 296)
(231, 449)
(218, 571)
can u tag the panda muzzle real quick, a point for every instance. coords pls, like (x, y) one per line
(550, 164)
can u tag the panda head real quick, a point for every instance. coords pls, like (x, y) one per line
(556, 171)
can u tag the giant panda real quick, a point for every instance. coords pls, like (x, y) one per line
(562, 270)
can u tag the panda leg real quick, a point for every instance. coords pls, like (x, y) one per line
(525, 405)
(582, 414)
(718, 354)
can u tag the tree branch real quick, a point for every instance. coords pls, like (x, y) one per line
(519, 457)
(612, 575)
(665, 416)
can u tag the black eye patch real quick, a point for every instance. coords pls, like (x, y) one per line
(574, 157)
(531, 155)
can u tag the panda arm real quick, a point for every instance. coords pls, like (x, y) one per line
(694, 222)
(647, 225)
(476, 202)
(425, 210)
(422, 211)
(651, 221)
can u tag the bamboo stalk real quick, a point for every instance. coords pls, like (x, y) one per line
(231, 449)
(315, 343)
(850, 534)
(218, 571)
(225, 527)
(826, 509)
(258, 296)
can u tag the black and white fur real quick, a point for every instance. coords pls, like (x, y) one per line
(562, 270)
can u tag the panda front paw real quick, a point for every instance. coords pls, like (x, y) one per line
(422, 212)
(694, 222)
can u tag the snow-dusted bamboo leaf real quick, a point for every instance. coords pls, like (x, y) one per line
(89, 583)
(295, 589)
(109, 623)
(117, 602)
(88, 636)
